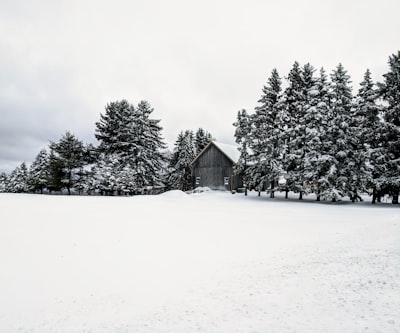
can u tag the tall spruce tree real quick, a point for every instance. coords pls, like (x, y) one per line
(18, 180)
(365, 138)
(293, 131)
(39, 172)
(183, 154)
(242, 138)
(111, 130)
(266, 141)
(148, 160)
(133, 138)
(390, 93)
(338, 177)
(310, 130)
(67, 156)
(320, 160)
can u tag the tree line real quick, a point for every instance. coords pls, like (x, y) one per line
(315, 136)
(308, 134)
(131, 158)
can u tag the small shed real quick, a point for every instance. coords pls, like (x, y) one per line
(213, 167)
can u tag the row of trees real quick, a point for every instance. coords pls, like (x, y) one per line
(131, 157)
(314, 136)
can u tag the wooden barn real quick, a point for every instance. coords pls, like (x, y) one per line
(213, 167)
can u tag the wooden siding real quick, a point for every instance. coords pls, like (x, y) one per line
(212, 166)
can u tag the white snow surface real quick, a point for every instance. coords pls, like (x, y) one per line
(207, 262)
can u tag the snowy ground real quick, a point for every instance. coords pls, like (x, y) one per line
(207, 262)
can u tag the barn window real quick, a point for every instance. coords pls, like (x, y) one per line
(197, 180)
(226, 180)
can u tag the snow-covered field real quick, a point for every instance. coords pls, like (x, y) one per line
(207, 262)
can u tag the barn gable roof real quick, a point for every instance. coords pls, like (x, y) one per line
(230, 151)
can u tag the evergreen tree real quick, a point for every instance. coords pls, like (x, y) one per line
(104, 175)
(55, 172)
(265, 141)
(133, 138)
(39, 171)
(339, 119)
(68, 155)
(147, 160)
(319, 160)
(111, 130)
(242, 138)
(306, 142)
(202, 138)
(184, 153)
(365, 138)
(390, 92)
(18, 180)
(293, 132)
(3, 182)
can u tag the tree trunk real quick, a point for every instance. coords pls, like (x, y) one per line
(272, 194)
(395, 199)
(287, 194)
(301, 195)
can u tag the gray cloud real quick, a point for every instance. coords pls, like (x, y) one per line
(197, 63)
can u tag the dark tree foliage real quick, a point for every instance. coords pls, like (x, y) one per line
(3, 182)
(242, 138)
(67, 156)
(316, 137)
(183, 154)
(39, 172)
(132, 140)
(266, 142)
(202, 138)
(390, 93)
(18, 180)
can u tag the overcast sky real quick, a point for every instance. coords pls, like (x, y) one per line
(196, 62)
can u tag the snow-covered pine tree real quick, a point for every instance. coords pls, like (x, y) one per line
(311, 128)
(341, 110)
(183, 154)
(111, 129)
(265, 140)
(147, 160)
(131, 136)
(366, 131)
(293, 133)
(319, 161)
(3, 182)
(39, 172)
(242, 138)
(104, 175)
(18, 180)
(390, 92)
(68, 154)
(202, 138)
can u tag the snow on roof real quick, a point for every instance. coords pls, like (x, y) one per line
(230, 151)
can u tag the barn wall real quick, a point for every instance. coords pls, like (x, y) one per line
(212, 166)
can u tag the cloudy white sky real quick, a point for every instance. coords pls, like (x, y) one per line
(196, 62)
